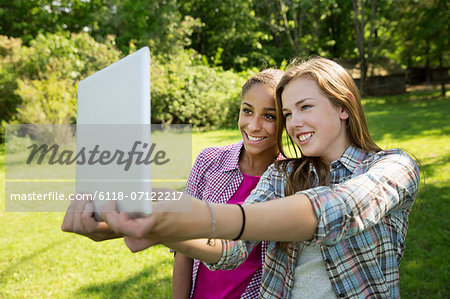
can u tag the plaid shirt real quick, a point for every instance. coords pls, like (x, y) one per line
(362, 223)
(215, 177)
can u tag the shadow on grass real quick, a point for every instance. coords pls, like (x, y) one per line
(141, 285)
(431, 168)
(11, 269)
(404, 119)
(424, 271)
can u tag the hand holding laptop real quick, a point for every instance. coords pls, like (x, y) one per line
(80, 219)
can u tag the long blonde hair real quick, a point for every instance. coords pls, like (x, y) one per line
(337, 85)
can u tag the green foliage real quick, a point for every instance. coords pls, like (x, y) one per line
(38, 82)
(50, 101)
(9, 56)
(241, 34)
(66, 56)
(139, 23)
(230, 35)
(423, 28)
(184, 90)
(25, 19)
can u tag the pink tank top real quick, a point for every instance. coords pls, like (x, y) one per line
(230, 283)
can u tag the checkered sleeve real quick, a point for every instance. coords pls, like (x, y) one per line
(234, 254)
(193, 186)
(385, 184)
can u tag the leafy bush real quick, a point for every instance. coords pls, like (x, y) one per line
(9, 56)
(38, 82)
(65, 56)
(51, 101)
(184, 90)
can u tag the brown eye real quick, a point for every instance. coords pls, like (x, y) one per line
(270, 116)
(246, 110)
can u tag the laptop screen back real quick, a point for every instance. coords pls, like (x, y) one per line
(113, 114)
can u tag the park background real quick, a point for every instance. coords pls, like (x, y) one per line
(202, 52)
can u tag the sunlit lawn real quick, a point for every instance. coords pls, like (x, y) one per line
(38, 260)
(422, 127)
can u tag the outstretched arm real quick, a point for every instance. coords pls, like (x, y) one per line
(273, 221)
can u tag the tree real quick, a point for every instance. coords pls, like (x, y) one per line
(294, 27)
(364, 46)
(137, 23)
(304, 28)
(424, 27)
(230, 35)
(338, 29)
(25, 19)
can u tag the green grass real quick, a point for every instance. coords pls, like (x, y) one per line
(39, 261)
(421, 127)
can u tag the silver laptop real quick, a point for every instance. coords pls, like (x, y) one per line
(113, 119)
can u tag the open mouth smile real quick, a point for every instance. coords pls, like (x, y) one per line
(304, 136)
(254, 138)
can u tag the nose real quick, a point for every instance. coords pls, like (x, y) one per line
(255, 124)
(297, 120)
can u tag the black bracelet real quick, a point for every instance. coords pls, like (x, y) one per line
(243, 223)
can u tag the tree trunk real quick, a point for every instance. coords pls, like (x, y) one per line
(373, 10)
(441, 67)
(286, 26)
(294, 35)
(427, 65)
(360, 24)
(359, 28)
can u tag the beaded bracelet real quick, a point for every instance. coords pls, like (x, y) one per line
(209, 243)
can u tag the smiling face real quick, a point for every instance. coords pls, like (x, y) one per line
(257, 121)
(314, 124)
